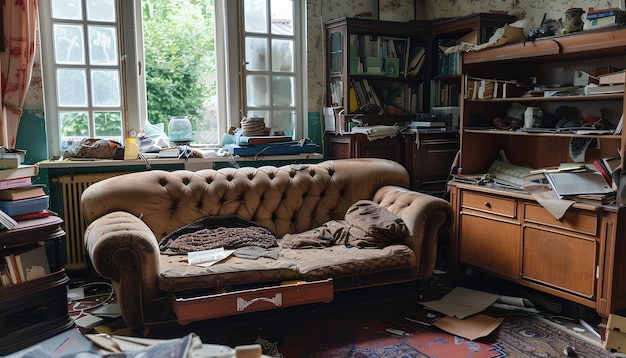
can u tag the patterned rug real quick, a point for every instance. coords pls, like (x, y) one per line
(363, 333)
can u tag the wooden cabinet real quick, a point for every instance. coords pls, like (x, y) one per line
(427, 157)
(581, 256)
(37, 309)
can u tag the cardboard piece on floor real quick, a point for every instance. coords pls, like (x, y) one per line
(462, 302)
(615, 334)
(472, 328)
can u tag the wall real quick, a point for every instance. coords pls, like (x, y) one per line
(32, 128)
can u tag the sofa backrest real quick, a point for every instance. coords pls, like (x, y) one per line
(287, 199)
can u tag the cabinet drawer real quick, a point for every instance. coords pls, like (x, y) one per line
(579, 221)
(190, 309)
(490, 203)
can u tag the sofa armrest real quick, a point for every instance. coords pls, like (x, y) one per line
(124, 250)
(426, 216)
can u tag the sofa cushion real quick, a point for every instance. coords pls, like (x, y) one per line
(341, 261)
(177, 275)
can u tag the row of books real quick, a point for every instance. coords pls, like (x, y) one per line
(397, 99)
(444, 94)
(362, 47)
(24, 264)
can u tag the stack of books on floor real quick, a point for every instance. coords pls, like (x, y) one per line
(20, 198)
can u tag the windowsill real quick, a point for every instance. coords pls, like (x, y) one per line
(191, 163)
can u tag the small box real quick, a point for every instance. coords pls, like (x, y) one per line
(392, 67)
(373, 65)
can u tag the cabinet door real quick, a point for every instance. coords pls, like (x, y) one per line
(559, 260)
(386, 148)
(490, 244)
(432, 162)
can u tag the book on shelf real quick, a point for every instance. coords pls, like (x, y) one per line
(22, 192)
(27, 263)
(606, 89)
(21, 171)
(416, 61)
(612, 78)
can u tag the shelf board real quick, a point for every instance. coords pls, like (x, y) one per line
(535, 134)
(592, 97)
(584, 44)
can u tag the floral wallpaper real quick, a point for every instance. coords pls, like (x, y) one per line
(320, 11)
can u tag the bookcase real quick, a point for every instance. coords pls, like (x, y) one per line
(581, 256)
(445, 84)
(369, 69)
(34, 310)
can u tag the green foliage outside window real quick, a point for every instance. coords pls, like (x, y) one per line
(179, 44)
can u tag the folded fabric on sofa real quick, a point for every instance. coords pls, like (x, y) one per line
(366, 224)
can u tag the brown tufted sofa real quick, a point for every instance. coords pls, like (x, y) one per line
(128, 215)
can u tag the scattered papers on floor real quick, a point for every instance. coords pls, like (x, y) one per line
(462, 307)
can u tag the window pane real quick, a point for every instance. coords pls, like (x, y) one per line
(283, 121)
(103, 45)
(72, 88)
(68, 45)
(67, 9)
(257, 54)
(282, 55)
(257, 91)
(101, 10)
(255, 16)
(108, 125)
(105, 86)
(282, 17)
(283, 91)
(74, 124)
(260, 114)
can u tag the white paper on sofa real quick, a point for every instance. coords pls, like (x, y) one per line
(208, 257)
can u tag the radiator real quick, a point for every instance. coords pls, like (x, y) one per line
(73, 187)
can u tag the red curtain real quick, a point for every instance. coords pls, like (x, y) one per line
(20, 19)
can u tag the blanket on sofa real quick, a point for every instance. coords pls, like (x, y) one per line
(366, 224)
(247, 238)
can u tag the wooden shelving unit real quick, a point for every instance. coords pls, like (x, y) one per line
(581, 256)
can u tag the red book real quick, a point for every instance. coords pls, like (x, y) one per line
(599, 165)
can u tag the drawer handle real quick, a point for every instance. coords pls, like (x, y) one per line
(242, 304)
(488, 204)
